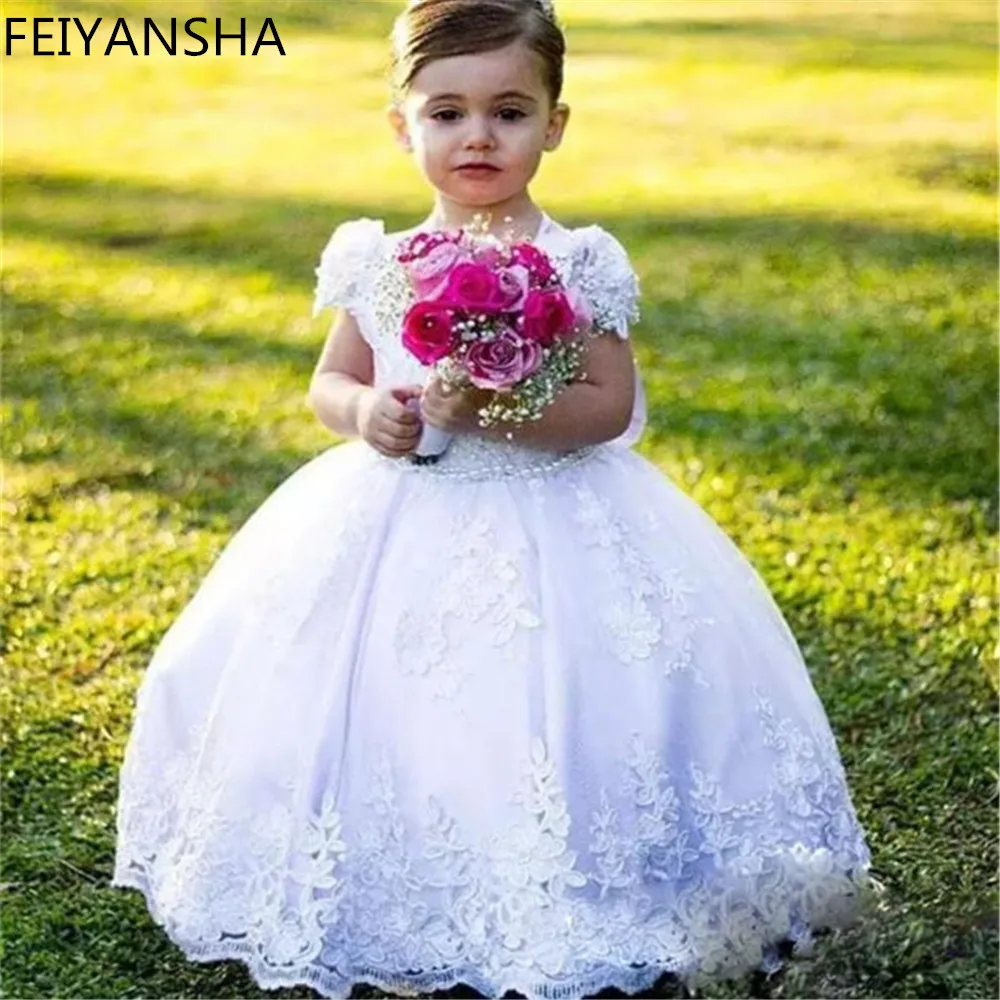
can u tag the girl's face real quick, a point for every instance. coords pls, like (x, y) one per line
(478, 124)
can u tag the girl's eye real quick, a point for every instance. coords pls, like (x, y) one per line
(451, 115)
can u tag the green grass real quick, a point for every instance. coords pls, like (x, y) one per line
(808, 192)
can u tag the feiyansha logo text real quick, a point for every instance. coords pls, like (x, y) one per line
(39, 36)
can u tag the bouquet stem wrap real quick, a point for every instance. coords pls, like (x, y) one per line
(433, 441)
(432, 445)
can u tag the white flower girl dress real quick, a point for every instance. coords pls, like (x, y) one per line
(523, 720)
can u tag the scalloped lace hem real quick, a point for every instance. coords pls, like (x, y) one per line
(333, 984)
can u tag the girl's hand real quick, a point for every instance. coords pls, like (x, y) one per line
(454, 410)
(387, 423)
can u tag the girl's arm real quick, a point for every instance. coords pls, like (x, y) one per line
(343, 377)
(592, 411)
(342, 396)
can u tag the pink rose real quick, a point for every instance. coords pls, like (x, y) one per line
(427, 332)
(429, 273)
(513, 283)
(502, 362)
(473, 288)
(420, 244)
(538, 264)
(547, 315)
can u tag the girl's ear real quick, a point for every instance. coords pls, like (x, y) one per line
(398, 122)
(556, 127)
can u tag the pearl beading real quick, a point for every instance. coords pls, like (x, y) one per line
(472, 465)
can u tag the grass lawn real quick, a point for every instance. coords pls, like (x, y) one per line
(808, 190)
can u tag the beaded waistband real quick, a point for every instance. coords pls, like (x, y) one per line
(472, 460)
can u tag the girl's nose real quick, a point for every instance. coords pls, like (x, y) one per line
(480, 133)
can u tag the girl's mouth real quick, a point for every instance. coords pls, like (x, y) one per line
(478, 170)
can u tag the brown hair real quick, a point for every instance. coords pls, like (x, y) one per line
(437, 29)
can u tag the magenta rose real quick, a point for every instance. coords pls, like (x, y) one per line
(547, 315)
(473, 288)
(502, 362)
(427, 332)
(538, 264)
(429, 273)
(514, 283)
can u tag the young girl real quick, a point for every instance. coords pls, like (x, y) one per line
(525, 719)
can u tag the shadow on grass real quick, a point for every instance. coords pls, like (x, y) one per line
(239, 233)
(94, 420)
(883, 380)
(846, 353)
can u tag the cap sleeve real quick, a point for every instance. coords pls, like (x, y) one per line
(346, 264)
(610, 281)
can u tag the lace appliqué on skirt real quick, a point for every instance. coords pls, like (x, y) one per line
(665, 876)
(645, 613)
(478, 592)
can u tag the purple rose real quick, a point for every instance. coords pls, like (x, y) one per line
(513, 282)
(502, 362)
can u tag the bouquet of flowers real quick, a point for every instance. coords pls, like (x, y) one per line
(491, 313)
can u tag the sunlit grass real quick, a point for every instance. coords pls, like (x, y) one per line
(798, 106)
(808, 190)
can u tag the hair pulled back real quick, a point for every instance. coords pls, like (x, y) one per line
(438, 29)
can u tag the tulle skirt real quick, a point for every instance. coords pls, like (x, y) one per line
(542, 731)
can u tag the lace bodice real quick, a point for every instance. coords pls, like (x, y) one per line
(358, 272)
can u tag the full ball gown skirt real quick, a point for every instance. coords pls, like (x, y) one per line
(535, 726)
